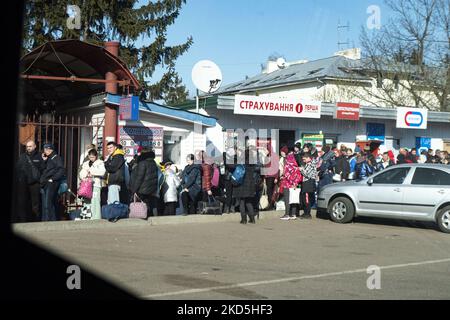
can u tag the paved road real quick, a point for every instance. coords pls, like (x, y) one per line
(274, 259)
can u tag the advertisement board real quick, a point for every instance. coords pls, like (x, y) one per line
(412, 118)
(131, 137)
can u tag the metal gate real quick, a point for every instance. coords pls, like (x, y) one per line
(68, 133)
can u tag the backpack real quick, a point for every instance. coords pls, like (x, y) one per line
(237, 178)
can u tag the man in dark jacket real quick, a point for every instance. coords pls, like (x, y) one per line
(191, 182)
(144, 179)
(115, 167)
(342, 167)
(246, 192)
(28, 170)
(50, 179)
(326, 168)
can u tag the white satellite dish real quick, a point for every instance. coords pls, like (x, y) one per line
(281, 63)
(206, 76)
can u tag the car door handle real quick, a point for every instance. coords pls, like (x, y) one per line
(397, 189)
(441, 191)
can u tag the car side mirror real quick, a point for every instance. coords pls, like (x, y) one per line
(370, 181)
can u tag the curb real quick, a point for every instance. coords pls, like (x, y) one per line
(152, 221)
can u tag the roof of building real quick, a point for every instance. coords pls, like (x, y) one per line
(165, 111)
(333, 67)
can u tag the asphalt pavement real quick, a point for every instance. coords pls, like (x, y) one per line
(218, 258)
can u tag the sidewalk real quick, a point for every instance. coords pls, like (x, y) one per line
(153, 221)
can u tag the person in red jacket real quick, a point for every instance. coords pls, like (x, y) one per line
(207, 172)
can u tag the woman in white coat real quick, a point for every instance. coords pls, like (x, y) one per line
(170, 190)
(95, 169)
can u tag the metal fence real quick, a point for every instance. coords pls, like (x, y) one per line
(65, 132)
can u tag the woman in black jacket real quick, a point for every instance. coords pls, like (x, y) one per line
(144, 179)
(51, 177)
(191, 182)
(246, 192)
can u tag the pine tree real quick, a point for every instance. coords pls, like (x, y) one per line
(121, 20)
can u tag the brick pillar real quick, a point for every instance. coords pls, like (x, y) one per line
(110, 130)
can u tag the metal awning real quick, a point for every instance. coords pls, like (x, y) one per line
(53, 67)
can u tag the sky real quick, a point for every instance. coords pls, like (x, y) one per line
(239, 35)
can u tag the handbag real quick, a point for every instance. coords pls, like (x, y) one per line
(294, 195)
(337, 177)
(275, 194)
(264, 199)
(63, 186)
(309, 186)
(212, 206)
(138, 210)
(86, 188)
(114, 211)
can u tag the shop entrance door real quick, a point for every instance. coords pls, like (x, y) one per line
(287, 138)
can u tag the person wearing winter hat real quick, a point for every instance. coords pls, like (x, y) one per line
(51, 177)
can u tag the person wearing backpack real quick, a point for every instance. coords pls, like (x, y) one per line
(144, 179)
(29, 168)
(191, 183)
(245, 188)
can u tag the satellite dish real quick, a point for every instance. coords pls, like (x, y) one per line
(281, 63)
(206, 76)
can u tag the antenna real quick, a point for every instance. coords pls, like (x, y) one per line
(339, 27)
(206, 76)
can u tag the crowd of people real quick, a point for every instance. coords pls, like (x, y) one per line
(294, 184)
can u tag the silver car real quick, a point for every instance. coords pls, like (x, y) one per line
(419, 192)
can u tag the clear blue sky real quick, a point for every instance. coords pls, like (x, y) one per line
(239, 35)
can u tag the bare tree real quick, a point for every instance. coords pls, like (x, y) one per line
(408, 57)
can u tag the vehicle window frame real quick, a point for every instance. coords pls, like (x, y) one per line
(405, 181)
(435, 185)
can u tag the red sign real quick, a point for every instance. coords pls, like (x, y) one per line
(347, 111)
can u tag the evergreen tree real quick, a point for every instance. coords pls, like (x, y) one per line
(121, 20)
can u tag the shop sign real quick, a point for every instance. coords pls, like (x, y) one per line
(129, 108)
(315, 139)
(347, 111)
(131, 137)
(412, 118)
(276, 107)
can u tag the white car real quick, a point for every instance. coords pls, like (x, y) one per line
(419, 192)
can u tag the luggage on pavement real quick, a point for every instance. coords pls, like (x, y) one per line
(138, 209)
(114, 211)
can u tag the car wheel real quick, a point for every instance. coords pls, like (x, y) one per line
(443, 219)
(341, 210)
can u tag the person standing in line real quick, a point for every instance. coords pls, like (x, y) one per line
(283, 153)
(28, 172)
(207, 172)
(385, 162)
(292, 180)
(51, 177)
(351, 158)
(326, 168)
(170, 189)
(144, 179)
(246, 192)
(115, 168)
(310, 174)
(342, 167)
(191, 182)
(94, 168)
